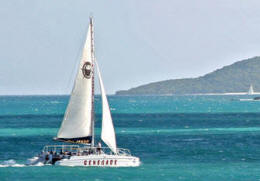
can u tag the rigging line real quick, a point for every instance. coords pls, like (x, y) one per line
(76, 62)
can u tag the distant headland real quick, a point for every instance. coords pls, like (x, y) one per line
(233, 78)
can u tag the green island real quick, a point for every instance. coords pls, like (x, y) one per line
(236, 77)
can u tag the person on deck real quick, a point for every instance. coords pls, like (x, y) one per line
(50, 158)
(46, 157)
(99, 147)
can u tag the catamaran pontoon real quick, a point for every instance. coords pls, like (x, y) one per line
(78, 123)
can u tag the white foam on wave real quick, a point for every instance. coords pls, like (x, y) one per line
(34, 161)
(193, 139)
(55, 102)
(39, 164)
(11, 163)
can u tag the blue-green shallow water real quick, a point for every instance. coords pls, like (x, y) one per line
(177, 138)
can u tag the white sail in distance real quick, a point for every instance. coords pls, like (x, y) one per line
(251, 90)
(77, 122)
(108, 131)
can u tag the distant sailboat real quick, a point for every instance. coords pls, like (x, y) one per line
(79, 120)
(251, 90)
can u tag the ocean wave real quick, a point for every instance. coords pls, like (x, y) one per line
(189, 131)
(34, 161)
(27, 131)
(31, 115)
(56, 102)
(193, 139)
(124, 131)
(11, 163)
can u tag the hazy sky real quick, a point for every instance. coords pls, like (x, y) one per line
(137, 41)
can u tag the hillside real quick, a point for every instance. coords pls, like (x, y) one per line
(236, 77)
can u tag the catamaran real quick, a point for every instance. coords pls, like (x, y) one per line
(77, 127)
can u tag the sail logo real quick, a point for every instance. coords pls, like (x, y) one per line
(87, 70)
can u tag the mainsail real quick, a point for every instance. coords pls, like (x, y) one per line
(77, 125)
(108, 131)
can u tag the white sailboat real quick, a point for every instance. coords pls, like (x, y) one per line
(78, 124)
(251, 90)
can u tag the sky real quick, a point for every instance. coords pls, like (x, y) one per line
(136, 42)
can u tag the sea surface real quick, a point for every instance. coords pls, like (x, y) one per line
(178, 138)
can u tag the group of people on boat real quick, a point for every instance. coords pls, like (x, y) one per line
(50, 157)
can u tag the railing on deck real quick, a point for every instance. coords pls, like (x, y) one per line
(63, 148)
(85, 150)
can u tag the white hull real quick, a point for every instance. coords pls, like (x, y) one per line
(73, 155)
(101, 160)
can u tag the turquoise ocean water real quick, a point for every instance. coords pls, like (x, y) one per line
(200, 138)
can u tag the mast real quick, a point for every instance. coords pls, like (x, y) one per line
(93, 83)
